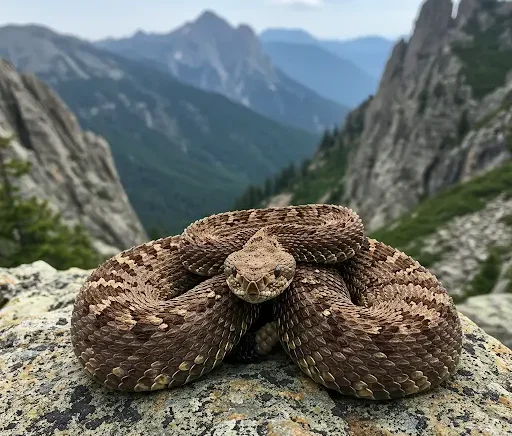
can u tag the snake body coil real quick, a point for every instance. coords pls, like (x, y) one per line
(356, 315)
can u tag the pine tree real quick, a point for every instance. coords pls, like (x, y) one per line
(304, 168)
(463, 125)
(326, 141)
(30, 230)
(268, 187)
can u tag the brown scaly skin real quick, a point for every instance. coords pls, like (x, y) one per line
(403, 337)
(366, 321)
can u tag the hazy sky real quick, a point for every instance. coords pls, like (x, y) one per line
(95, 19)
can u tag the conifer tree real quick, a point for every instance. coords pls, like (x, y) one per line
(30, 230)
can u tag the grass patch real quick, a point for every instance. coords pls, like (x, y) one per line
(427, 259)
(432, 213)
(326, 177)
(507, 219)
(487, 275)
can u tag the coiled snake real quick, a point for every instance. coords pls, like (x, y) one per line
(356, 315)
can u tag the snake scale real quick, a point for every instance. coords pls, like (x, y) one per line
(356, 315)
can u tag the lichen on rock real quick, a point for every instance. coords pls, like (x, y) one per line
(45, 391)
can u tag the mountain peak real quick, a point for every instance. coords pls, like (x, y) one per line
(211, 22)
(435, 15)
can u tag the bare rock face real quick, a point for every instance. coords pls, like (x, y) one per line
(44, 390)
(425, 129)
(72, 169)
(492, 313)
(462, 245)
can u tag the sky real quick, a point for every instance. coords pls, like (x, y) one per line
(96, 19)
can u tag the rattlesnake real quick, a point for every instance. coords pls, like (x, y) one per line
(356, 315)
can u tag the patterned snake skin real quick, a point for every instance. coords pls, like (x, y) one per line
(356, 315)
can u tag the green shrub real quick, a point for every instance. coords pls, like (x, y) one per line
(463, 125)
(487, 276)
(439, 90)
(422, 101)
(431, 214)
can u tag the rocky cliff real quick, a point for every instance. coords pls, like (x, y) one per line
(442, 115)
(427, 160)
(71, 168)
(442, 112)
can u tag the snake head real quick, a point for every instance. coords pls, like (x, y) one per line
(261, 270)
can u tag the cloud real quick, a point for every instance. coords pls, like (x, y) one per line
(300, 3)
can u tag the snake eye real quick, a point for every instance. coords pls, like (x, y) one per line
(277, 271)
(233, 270)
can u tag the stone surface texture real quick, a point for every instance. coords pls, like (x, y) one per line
(45, 391)
(493, 313)
(464, 243)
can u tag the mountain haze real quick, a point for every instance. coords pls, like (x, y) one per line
(181, 153)
(370, 53)
(329, 75)
(212, 55)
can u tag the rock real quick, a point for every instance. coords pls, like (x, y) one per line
(280, 200)
(71, 168)
(463, 243)
(493, 313)
(433, 22)
(425, 129)
(45, 391)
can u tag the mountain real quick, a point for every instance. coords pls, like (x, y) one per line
(70, 168)
(440, 116)
(327, 74)
(369, 53)
(426, 162)
(436, 119)
(181, 153)
(212, 55)
(291, 36)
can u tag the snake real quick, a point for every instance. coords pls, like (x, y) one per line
(354, 314)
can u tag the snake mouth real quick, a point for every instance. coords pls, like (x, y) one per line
(256, 291)
(256, 299)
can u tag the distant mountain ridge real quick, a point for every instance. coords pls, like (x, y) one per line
(369, 53)
(212, 55)
(181, 153)
(321, 70)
